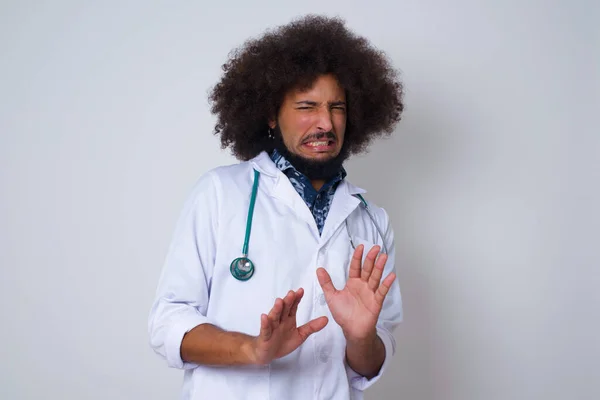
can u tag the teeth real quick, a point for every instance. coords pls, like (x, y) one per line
(317, 143)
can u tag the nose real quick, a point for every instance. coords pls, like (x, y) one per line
(324, 122)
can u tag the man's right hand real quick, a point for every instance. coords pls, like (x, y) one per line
(279, 334)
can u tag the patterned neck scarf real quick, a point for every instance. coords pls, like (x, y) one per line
(318, 202)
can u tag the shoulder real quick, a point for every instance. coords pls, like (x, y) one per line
(210, 186)
(378, 212)
(231, 171)
(225, 174)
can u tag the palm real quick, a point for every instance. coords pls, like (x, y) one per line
(279, 333)
(357, 306)
(356, 302)
(284, 339)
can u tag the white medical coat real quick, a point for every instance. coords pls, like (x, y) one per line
(196, 285)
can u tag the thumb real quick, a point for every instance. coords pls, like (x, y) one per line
(325, 281)
(312, 327)
(265, 327)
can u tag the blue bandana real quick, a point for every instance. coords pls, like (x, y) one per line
(318, 202)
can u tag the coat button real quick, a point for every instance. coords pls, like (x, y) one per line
(322, 299)
(323, 356)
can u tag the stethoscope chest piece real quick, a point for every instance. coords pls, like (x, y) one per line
(242, 268)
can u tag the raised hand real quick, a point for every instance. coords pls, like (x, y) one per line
(279, 334)
(357, 306)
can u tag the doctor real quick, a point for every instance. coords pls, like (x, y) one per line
(280, 281)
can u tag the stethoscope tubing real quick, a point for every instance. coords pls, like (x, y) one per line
(250, 213)
(234, 267)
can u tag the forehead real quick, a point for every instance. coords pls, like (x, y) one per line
(326, 87)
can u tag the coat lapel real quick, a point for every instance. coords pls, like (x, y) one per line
(282, 189)
(343, 204)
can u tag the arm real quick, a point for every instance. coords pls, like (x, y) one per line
(367, 309)
(181, 300)
(390, 316)
(179, 328)
(366, 356)
(209, 345)
(356, 309)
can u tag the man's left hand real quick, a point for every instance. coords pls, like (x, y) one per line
(356, 307)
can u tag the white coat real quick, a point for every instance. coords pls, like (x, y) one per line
(196, 285)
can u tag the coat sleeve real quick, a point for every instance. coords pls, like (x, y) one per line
(182, 295)
(391, 313)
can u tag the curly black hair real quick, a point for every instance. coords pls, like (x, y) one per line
(259, 74)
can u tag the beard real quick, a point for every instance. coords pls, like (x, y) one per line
(312, 169)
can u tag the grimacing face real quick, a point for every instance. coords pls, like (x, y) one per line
(313, 122)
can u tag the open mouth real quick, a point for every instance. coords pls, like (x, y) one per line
(319, 145)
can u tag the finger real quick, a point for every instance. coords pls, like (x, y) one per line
(275, 314)
(384, 288)
(369, 262)
(377, 272)
(356, 261)
(294, 309)
(288, 302)
(311, 327)
(325, 281)
(265, 327)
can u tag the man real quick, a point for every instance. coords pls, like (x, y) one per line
(280, 279)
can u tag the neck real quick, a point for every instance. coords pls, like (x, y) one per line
(317, 184)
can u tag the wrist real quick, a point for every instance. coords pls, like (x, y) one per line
(366, 355)
(365, 339)
(248, 349)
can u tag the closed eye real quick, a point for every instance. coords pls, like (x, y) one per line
(341, 106)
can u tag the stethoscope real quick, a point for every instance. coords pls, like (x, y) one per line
(242, 268)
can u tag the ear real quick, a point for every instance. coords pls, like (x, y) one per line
(272, 123)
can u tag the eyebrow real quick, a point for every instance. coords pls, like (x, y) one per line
(314, 103)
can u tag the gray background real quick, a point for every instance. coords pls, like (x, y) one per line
(491, 181)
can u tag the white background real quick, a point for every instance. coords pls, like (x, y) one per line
(491, 180)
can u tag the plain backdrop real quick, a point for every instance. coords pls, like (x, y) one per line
(491, 180)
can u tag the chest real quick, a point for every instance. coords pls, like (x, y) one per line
(286, 249)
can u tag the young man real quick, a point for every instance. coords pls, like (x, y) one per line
(280, 279)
